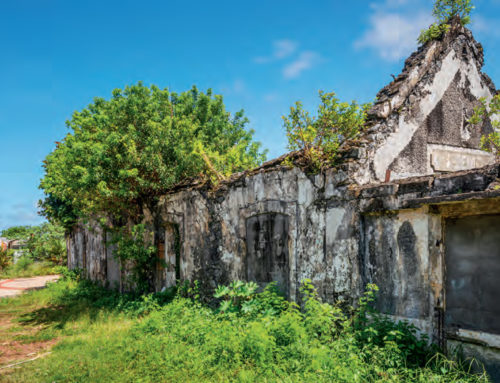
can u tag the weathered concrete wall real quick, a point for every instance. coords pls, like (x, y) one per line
(88, 250)
(280, 217)
(344, 228)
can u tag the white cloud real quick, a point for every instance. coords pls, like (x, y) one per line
(305, 61)
(394, 35)
(284, 48)
(287, 49)
(281, 49)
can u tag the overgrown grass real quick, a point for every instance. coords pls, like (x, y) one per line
(250, 337)
(26, 267)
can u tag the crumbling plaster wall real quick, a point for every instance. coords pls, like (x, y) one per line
(419, 121)
(402, 255)
(87, 250)
(322, 231)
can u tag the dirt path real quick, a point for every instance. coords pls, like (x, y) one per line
(12, 287)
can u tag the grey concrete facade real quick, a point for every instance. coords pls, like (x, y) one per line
(392, 213)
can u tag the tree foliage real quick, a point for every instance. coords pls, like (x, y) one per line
(445, 11)
(320, 136)
(17, 232)
(122, 153)
(46, 242)
(491, 111)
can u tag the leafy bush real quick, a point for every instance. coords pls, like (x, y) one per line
(45, 242)
(491, 111)
(6, 257)
(319, 137)
(242, 298)
(445, 11)
(17, 232)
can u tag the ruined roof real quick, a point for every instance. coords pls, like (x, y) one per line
(410, 193)
(399, 100)
(423, 61)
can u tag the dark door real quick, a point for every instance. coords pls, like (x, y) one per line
(472, 283)
(267, 250)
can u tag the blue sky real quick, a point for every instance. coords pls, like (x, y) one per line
(261, 55)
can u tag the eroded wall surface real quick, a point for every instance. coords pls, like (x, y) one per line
(276, 225)
(418, 124)
(378, 217)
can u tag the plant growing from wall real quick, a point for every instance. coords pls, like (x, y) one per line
(491, 110)
(445, 11)
(320, 137)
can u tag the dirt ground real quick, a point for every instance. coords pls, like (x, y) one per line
(18, 342)
(12, 287)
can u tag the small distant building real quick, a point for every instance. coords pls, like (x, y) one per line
(17, 244)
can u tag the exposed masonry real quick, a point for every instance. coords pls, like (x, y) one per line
(394, 213)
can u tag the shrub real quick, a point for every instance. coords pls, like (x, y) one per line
(6, 256)
(491, 111)
(241, 298)
(320, 137)
(445, 11)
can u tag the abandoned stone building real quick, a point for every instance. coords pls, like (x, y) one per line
(414, 207)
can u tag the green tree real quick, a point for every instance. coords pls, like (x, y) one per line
(123, 153)
(46, 242)
(445, 11)
(17, 232)
(319, 137)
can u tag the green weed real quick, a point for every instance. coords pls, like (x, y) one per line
(257, 337)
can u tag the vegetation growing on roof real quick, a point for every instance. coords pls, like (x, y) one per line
(445, 11)
(320, 137)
